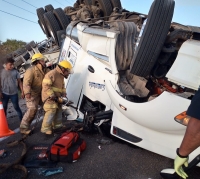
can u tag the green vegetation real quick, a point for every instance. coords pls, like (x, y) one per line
(9, 47)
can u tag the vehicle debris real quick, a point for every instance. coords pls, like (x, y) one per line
(104, 141)
(3, 153)
(49, 171)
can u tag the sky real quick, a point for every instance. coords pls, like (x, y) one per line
(186, 12)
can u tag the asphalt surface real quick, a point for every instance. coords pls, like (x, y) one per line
(117, 160)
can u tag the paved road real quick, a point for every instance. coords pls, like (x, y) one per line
(118, 160)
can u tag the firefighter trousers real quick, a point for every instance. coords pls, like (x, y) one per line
(32, 107)
(52, 119)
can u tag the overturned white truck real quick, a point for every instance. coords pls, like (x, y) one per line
(23, 56)
(136, 79)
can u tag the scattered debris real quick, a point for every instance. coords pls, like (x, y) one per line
(3, 153)
(104, 141)
(49, 171)
(79, 120)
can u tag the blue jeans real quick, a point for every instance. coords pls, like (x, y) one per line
(15, 101)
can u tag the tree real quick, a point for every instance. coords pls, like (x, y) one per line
(11, 45)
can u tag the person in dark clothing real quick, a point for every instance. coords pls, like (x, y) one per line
(191, 140)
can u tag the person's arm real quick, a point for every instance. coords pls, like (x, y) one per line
(64, 92)
(191, 140)
(27, 83)
(21, 87)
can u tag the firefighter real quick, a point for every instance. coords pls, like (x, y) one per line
(52, 89)
(32, 85)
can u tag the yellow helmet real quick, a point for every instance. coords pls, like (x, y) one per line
(37, 56)
(67, 65)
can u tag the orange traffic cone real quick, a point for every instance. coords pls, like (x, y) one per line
(4, 130)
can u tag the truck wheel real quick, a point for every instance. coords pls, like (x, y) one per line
(60, 35)
(88, 2)
(116, 3)
(153, 37)
(81, 1)
(62, 19)
(52, 25)
(30, 45)
(104, 5)
(40, 14)
(49, 8)
(125, 43)
(19, 51)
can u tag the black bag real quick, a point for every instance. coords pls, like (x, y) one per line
(36, 157)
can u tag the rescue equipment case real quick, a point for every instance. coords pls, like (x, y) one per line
(67, 147)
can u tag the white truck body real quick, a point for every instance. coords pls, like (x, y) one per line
(149, 125)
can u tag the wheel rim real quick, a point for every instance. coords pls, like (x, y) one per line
(43, 27)
(52, 34)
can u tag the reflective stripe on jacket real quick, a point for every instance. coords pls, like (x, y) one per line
(52, 85)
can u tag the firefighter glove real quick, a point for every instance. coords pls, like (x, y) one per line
(178, 165)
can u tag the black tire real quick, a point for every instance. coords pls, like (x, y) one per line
(81, 1)
(104, 5)
(88, 2)
(33, 44)
(52, 25)
(19, 51)
(60, 35)
(125, 43)
(153, 37)
(116, 3)
(48, 8)
(40, 14)
(62, 19)
(30, 45)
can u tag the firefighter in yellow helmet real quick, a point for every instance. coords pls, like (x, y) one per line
(32, 86)
(52, 89)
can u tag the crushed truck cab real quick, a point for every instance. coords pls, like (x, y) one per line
(109, 79)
